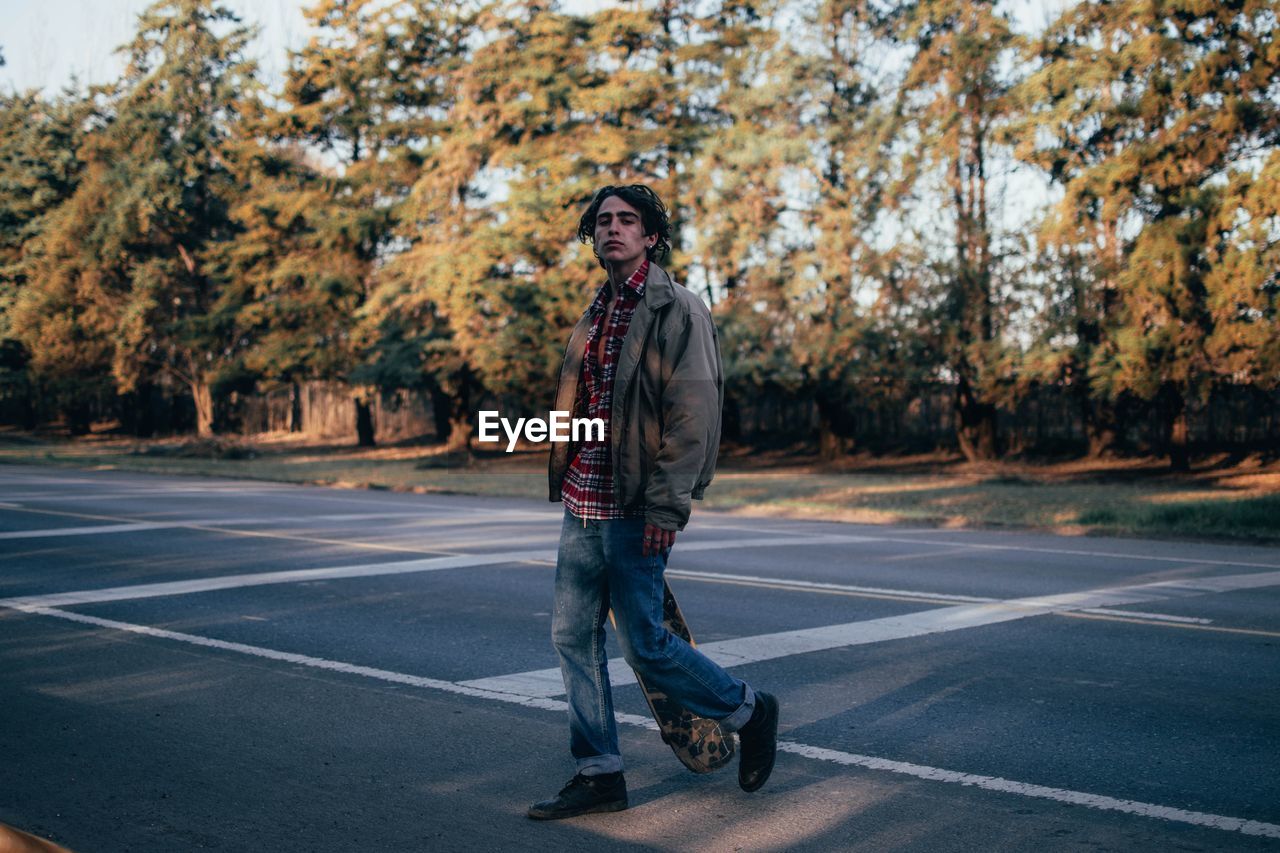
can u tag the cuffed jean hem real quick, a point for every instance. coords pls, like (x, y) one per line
(738, 718)
(597, 764)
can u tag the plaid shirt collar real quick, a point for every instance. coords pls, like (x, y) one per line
(632, 290)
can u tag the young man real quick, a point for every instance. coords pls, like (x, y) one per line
(645, 359)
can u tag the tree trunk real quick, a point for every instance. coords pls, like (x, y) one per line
(460, 406)
(1176, 442)
(79, 417)
(138, 417)
(460, 433)
(295, 407)
(29, 415)
(441, 408)
(364, 422)
(975, 424)
(831, 443)
(1101, 427)
(731, 419)
(202, 393)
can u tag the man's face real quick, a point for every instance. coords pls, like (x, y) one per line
(620, 237)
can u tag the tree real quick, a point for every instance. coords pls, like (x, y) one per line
(131, 256)
(951, 101)
(368, 92)
(1243, 278)
(39, 169)
(299, 277)
(844, 292)
(1149, 111)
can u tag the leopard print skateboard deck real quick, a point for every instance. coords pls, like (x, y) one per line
(699, 743)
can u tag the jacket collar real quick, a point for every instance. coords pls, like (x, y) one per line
(658, 288)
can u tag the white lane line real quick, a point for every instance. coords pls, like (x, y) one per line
(153, 590)
(764, 647)
(87, 531)
(914, 595)
(1061, 795)
(820, 586)
(1070, 552)
(1157, 617)
(290, 657)
(136, 526)
(789, 541)
(918, 771)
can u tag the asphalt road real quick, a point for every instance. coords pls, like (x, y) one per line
(193, 664)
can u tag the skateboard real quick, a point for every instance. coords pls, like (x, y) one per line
(699, 743)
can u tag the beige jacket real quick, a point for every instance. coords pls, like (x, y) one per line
(667, 396)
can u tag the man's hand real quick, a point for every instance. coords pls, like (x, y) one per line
(657, 540)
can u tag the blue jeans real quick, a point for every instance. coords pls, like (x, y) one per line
(600, 566)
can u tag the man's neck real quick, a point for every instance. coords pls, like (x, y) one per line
(619, 273)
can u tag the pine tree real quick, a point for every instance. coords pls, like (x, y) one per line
(297, 275)
(1243, 280)
(55, 335)
(129, 257)
(39, 170)
(1151, 109)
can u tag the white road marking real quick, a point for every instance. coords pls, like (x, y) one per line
(764, 647)
(88, 531)
(819, 586)
(915, 595)
(1157, 617)
(817, 753)
(1071, 552)
(1061, 795)
(153, 590)
(787, 541)
(136, 526)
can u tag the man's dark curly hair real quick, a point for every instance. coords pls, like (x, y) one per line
(653, 216)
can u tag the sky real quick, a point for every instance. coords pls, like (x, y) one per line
(47, 43)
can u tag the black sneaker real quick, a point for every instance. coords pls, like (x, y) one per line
(758, 743)
(605, 792)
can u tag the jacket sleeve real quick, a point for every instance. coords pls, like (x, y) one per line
(690, 417)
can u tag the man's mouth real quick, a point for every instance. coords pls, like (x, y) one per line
(612, 243)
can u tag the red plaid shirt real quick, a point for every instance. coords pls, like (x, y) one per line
(588, 484)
